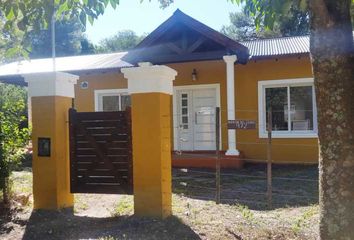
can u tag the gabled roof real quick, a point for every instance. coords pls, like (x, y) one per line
(263, 48)
(182, 38)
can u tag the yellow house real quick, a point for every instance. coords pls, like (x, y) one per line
(246, 80)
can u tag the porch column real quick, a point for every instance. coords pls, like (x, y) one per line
(151, 91)
(230, 86)
(51, 97)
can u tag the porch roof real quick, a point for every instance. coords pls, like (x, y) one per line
(182, 38)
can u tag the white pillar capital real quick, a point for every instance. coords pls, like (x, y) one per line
(150, 78)
(230, 58)
(51, 84)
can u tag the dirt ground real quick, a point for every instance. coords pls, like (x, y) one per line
(241, 215)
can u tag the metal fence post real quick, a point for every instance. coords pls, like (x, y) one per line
(217, 166)
(269, 159)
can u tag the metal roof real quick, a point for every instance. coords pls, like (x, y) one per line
(278, 46)
(65, 64)
(257, 48)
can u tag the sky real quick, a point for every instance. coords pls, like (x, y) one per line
(146, 16)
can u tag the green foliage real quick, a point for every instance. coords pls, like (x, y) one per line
(87, 47)
(14, 132)
(10, 43)
(123, 207)
(295, 23)
(122, 41)
(245, 212)
(243, 27)
(35, 15)
(68, 40)
(293, 14)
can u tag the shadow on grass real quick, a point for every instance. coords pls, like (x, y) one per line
(65, 225)
(293, 185)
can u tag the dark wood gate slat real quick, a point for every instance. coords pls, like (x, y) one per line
(72, 142)
(100, 152)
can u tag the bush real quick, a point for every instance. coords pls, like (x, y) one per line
(14, 133)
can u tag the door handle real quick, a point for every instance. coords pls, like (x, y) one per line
(195, 117)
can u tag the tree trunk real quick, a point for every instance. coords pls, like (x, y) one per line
(332, 55)
(5, 191)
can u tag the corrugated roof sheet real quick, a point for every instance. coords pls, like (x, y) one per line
(65, 64)
(278, 46)
(257, 48)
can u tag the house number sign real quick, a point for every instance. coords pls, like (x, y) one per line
(241, 124)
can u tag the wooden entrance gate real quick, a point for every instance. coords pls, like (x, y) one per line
(100, 152)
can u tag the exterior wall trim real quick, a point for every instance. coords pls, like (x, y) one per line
(148, 78)
(51, 84)
(174, 101)
(261, 107)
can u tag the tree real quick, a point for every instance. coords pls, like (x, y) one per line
(32, 16)
(332, 56)
(35, 15)
(244, 28)
(87, 47)
(68, 38)
(10, 42)
(14, 133)
(296, 23)
(122, 41)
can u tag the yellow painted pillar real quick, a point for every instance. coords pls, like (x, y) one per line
(151, 91)
(51, 97)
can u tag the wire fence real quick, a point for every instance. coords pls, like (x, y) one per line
(249, 186)
(266, 184)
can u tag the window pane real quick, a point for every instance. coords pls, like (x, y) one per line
(125, 102)
(184, 110)
(301, 108)
(276, 98)
(110, 103)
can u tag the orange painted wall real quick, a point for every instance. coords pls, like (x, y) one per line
(85, 98)
(51, 178)
(247, 77)
(285, 150)
(151, 154)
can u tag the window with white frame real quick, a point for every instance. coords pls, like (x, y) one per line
(292, 106)
(111, 100)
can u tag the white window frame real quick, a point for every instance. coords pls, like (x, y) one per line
(262, 130)
(108, 92)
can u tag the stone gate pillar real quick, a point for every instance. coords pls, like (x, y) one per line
(51, 95)
(151, 91)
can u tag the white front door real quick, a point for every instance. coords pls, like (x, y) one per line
(196, 119)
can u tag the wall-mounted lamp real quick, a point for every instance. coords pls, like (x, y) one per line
(194, 74)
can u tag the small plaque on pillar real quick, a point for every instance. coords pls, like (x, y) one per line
(241, 124)
(43, 147)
